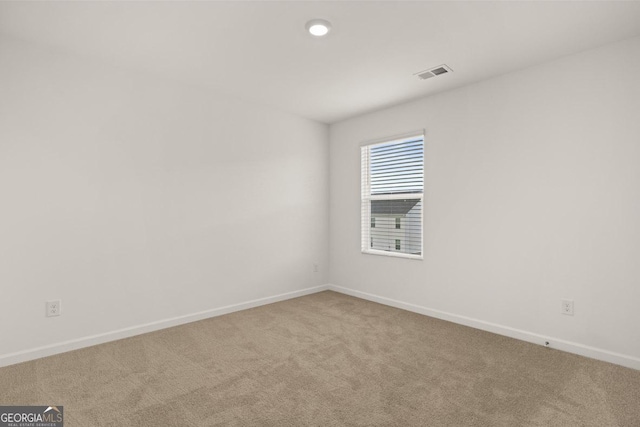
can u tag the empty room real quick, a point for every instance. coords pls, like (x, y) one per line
(319, 213)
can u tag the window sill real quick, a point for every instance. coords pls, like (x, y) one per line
(392, 254)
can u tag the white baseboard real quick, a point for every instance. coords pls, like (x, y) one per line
(49, 350)
(556, 343)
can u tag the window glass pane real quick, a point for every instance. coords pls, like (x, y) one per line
(385, 235)
(397, 167)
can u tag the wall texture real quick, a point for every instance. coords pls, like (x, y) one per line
(532, 187)
(136, 200)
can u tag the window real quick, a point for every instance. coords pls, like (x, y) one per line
(392, 193)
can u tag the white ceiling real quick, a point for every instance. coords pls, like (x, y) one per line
(260, 52)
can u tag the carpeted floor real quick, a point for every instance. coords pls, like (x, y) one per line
(327, 360)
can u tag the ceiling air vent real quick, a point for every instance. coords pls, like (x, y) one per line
(435, 71)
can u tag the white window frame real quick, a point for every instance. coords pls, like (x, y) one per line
(365, 196)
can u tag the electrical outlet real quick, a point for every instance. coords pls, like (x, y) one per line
(316, 268)
(53, 308)
(567, 307)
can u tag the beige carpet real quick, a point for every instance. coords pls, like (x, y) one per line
(327, 360)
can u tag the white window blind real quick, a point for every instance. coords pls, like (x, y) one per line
(392, 193)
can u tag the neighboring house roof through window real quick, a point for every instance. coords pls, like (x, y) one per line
(392, 207)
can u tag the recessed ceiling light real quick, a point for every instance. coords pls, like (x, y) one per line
(318, 27)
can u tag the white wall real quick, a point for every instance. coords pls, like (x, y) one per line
(532, 194)
(135, 200)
